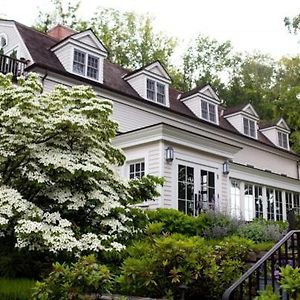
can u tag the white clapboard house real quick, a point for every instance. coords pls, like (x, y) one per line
(211, 157)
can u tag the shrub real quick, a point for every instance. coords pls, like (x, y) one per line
(260, 230)
(76, 281)
(16, 289)
(162, 266)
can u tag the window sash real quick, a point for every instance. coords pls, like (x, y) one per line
(204, 109)
(282, 140)
(93, 67)
(137, 169)
(249, 127)
(79, 62)
(150, 89)
(160, 92)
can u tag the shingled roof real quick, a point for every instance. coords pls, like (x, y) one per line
(39, 45)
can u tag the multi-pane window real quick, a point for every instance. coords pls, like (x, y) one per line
(249, 127)
(282, 140)
(161, 97)
(156, 91)
(278, 202)
(150, 89)
(288, 201)
(235, 204)
(207, 197)
(86, 64)
(79, 62)
(297, 201)
(258, 201)
(186, 189)
(208, 111)
(270, 203)
(136, 169)
(93, 67)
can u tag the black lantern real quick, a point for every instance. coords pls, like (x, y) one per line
(169, 154)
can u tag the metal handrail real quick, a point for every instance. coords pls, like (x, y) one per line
(11, 65)
(229, 293)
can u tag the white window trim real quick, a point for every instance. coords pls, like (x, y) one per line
(166, 102)
(87, 54)
(208, 116)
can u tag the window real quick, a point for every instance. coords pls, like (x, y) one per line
(79, 62)
(186, 189)
(207, 199)
(235, 197)
(156, 91)
(208, 111)
(258, 202)
(271, 204)
(278, 202)
(282, 140)
(249, 127)
(86, 64)
(92, 67)
(136, 169)
(3, 40)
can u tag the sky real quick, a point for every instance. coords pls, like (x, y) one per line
(249, 24)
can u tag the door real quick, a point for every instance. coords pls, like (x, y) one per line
(195, 189)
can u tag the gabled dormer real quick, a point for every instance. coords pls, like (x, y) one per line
(151, 82)
(277, 132)
(203, 102)
(244, 118)
(82, 54)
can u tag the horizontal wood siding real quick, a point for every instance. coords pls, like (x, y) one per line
(65, 55)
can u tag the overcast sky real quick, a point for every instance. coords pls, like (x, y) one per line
(248, 24)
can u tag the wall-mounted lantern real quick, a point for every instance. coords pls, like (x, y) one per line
(169, 152)
(226, 168)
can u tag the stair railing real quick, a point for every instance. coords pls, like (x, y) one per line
(266, 271)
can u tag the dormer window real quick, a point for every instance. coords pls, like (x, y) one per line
(86, 64)
(79, 62)
(156, 91)
(249, 127)
(208, 111)
(282, 140)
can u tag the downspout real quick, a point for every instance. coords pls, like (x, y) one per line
(298, 165)
(43, 79)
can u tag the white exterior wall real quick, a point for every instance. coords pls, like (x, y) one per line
(15, 41)
(152, 155)
(65, 55)
(261, 159)
(237, 122)
(271, 134)
(139, 84)
(194, 105)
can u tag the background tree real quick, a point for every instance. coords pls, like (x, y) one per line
(207, 61)
(252, 81)
(130, 38)
(292, 23)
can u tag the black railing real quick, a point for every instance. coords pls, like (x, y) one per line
(266, 270)
(11, 65)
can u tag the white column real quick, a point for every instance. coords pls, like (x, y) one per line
(242, 200)
(284, 216)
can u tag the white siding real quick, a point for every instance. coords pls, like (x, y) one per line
(237, 122)
(65, 56)
(151, 154)
(194, 105)
(14, 40)
(139, 84)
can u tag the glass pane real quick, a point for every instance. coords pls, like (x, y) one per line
(181, 206)
(181, 173)
(181, 190)
(204, 109)
(190, 192)
(190, 175)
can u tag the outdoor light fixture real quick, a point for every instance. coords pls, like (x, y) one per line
(169, 154)
(226, 167)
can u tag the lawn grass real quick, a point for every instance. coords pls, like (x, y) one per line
(16, 289)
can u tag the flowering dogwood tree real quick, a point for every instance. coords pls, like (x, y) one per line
(58, 188)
